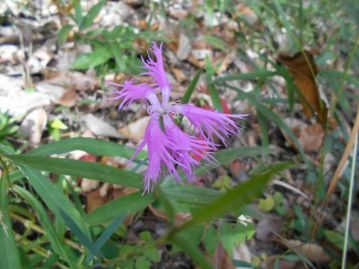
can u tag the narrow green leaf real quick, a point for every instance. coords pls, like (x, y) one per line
(236, 197)
(57, 243)
(188, 93)
(259, 74)
(193, 251)
(128, 204)
(100, 242)
(90, 145)
(186, 198)
(9, 255)
(91, 15)
(82, 169)
(52, 196)
(84, 240)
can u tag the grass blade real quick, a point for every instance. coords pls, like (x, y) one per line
(259, 74)
(188, 93)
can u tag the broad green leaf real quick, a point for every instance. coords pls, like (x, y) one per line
(193, 251)
(92, 59)
(9, 255)
(188, 93)
(90, 145)
(259, 74)
(234, 198)
(82, 169)
(57, 243)
(91, 15)
(128, 204)
(52, 196)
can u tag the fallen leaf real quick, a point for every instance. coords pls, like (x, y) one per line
(68, 99)
(311, 137)
(15, 101)
(311, 251)
(184, 47)
(221, 259)
(136, 129)
(303, 69)
(100, 128)
(180, 76)
(33, 125)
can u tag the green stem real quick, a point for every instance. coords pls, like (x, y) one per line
(350, 202)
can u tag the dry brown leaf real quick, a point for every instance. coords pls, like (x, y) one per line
(311, 251)
(94, 200)
(68, 99)
(303, 69)
(180, 76)
(184, 47)
(221, 259)
(100, 128)
(228, 59)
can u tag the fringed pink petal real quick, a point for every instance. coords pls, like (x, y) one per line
(160, 154)
(188, 150)
(128, 92)
(209, 123)
(156, 70)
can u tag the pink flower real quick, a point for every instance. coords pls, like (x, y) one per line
(170, 148)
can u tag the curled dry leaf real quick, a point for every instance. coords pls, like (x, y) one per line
(303, 69)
